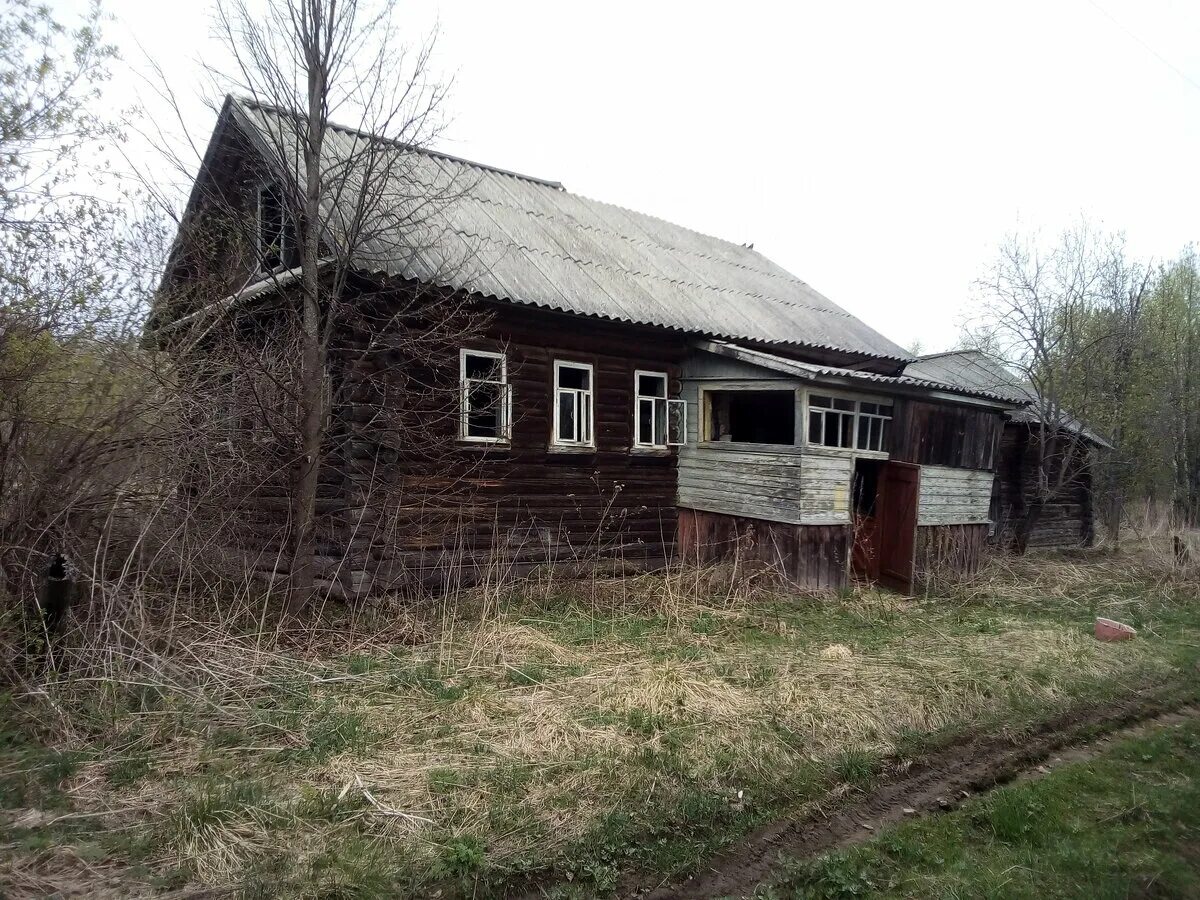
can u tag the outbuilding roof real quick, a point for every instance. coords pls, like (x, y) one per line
(975, 370)
(527, 240)
(852, 377)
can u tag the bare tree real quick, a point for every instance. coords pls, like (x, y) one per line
(355, 197)
(1044, 314)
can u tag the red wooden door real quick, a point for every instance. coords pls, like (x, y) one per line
(899, 487)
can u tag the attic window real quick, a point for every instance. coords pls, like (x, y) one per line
(750, 417)
(275, 246)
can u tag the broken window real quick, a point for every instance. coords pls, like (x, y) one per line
(851, 424)
(573, 404)
(658, 421)
(275, 244)
(752, 417)
(486, 409)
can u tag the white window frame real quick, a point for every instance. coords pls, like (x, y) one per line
(585, 426)
(638, 397)
(505, 412)
(857, 414)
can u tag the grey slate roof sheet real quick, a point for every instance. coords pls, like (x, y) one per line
(525, 240)
(810, 370)
(970, 369)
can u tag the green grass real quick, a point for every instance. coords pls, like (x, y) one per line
(602, 729)
(1123, 824)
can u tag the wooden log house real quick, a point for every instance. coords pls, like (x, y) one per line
(639, 389)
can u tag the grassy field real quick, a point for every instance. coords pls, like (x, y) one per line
(563, 731)
(1124, 824)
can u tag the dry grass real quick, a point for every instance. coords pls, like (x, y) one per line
(524, 722)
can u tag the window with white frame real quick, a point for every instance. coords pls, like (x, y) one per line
(848, 423)
(486, 400)
(659, 422)
(275, 242)
(873, 419)
(573, 404)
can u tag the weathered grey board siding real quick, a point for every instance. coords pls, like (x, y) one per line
(952, 496)
(780, 486)
(799, 486)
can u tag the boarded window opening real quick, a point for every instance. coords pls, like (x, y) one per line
(752, 417)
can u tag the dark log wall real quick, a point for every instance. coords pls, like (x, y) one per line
(523, 503)
(943, 434)
(810, 556)
(1067, 520)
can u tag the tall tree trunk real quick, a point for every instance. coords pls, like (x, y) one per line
(313, 349)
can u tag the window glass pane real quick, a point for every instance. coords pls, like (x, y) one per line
(824, 402)
(660, 420)
(573, 377)
(676, 421)
(831, 429)
(847, 431)
(814, 427)
(270, 226)
(645, 423)
(482, 367)
(652, 386)
(864, 433)
(585, 418)
(885, 410)
(884, 427)
(483, 409)
(876, 434)
(566, 416)
(839, 403)
(868, 407)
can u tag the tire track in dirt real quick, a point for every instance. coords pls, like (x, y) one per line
(936, 782)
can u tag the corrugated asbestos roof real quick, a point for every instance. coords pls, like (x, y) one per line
(812, 370)
(975, 370)
(525, 240)
(970, 369)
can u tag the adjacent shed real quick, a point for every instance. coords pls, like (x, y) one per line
(828, 472)
(1065, 518)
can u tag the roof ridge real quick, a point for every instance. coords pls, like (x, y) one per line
(425, 151)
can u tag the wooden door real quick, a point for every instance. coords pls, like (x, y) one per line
(899, 488)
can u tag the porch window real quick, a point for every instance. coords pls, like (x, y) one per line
(275, 245)
(846, 423)
(573, 404)
(486, 400)
(750, 416)
(873, 419)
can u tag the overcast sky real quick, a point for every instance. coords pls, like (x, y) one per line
(879, 151)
